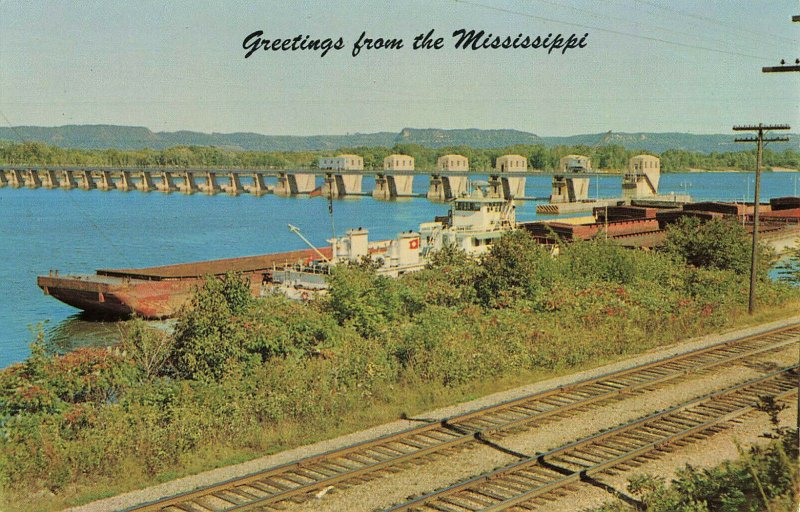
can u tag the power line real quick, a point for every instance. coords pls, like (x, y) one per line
(639, 23)
(783, 68)
(715, 25)
(610, 31)
(715, 21)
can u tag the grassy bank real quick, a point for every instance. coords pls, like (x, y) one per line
(241, 378)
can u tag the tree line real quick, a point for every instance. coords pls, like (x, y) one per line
(539, 156)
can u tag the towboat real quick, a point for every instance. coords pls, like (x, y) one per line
(473, 223)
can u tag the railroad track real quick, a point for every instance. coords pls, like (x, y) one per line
(359, 462)
(533, 482)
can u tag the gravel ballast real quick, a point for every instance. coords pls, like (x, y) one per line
(384, 492)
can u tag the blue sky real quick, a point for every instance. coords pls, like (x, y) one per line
(650, 65)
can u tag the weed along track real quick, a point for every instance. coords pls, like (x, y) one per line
(341, 468)
(534, 481)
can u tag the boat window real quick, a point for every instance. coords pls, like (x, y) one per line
(468, 206)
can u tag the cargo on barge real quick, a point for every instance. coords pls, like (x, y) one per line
(159, 292)
(475, 221)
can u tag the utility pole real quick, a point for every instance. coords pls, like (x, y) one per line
(782, 69)
(760, 140)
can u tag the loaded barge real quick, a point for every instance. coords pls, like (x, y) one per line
(643, 223)
(473, 223)
(158, 292)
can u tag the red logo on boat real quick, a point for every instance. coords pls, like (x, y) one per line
(413, 244)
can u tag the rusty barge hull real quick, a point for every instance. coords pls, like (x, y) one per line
(159, 292)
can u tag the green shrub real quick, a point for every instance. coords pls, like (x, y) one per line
(49, 383)
(209, 340)
(359, 297)
(277, 327)
(598, 259)
(148, 348)
(716, 244)
(516, 268)
(732, 486)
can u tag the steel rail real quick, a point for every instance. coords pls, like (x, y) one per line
(532, 478)
(310, 474)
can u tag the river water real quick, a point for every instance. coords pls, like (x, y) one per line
(79, 231)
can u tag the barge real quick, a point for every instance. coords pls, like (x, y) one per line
(473, 223)
(158, 292)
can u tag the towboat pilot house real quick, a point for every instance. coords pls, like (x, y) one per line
(473, 225)
(473, 206)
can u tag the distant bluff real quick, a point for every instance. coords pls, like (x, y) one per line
(138, 137)
(473, 137)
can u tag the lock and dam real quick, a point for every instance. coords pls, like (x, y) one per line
(444, 185)
(342, 176)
